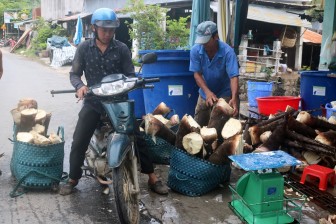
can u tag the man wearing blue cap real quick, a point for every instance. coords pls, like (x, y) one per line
(216, 71)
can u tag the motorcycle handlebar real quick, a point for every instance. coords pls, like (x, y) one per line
(62, 91)
(149, 80)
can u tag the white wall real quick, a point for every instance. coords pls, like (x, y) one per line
(92, 5)
(57, 9)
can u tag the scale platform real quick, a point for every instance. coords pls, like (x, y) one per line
(258, 196)
(264, 160)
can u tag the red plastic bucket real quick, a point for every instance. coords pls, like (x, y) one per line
(274, 104)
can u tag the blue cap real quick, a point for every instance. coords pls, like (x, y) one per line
(204, 31)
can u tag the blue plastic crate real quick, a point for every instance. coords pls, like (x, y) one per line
(258, 89)
(330, 111)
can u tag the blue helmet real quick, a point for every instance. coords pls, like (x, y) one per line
(105, 17)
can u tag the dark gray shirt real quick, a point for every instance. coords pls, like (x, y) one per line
(95, 64)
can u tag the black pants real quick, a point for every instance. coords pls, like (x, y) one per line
(88, 120)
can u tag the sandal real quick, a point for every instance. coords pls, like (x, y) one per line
(67, 188)
(158, 187)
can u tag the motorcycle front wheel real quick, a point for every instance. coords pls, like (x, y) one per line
(127, 200)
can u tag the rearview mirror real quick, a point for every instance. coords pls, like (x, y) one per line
(149, 58)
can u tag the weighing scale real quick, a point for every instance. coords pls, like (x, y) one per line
(258, 196)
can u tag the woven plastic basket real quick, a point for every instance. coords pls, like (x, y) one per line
(160, 151)
(288, 37)
(193, 176)
(37, 166)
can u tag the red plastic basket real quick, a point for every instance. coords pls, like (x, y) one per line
(273, 104)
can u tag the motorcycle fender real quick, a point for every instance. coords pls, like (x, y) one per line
(117, 149)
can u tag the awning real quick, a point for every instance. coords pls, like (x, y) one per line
(272, 15)
(25, 22)
(75, 17)
(277, 16)
(86, 14)
(311, 37)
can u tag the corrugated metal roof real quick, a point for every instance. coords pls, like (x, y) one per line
(171, 3)
(74, 17)
(277, 16)
(24, 22)
(272, 15)
(312, 37)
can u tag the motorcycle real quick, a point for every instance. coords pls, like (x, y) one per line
(111, 155)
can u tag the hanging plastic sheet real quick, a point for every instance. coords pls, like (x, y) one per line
(237, 23)
(223, 17)
(200, 13)
(79, 31)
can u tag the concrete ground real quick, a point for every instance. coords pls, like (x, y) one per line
(177, 208)
(212, 208)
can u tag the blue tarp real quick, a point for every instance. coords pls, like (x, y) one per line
(58, 42)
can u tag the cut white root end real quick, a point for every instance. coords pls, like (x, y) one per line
(192, 143)
(303, 117)
(231, 128)
(264, 136)
(25, 137)
(208, 134)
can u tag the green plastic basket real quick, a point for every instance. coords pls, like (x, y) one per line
(160, 151)
(37, 166)
(193, 176)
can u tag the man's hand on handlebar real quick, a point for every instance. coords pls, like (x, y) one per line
(81, 92)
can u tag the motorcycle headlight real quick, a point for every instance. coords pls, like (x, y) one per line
(112, 88)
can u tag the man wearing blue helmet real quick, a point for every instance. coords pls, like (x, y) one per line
(96, 58)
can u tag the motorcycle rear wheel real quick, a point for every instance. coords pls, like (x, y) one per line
(127, 202)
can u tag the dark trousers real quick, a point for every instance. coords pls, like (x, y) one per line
(88, 119)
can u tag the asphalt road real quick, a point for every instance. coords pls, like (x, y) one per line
(25, 78)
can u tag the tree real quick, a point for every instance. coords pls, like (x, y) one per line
(19, 5)
(153, 29)
(315, 14)
(147, 27)
(45, 30)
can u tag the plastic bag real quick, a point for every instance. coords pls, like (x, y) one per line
(326, 50)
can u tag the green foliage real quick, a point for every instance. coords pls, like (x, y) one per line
(268, 72)
(152, 29)
(44, 31)
(177, 33)
(136, 62)
(24, 14)
(147, 27)
(316, 13)
(43, 34)
(23, 6)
